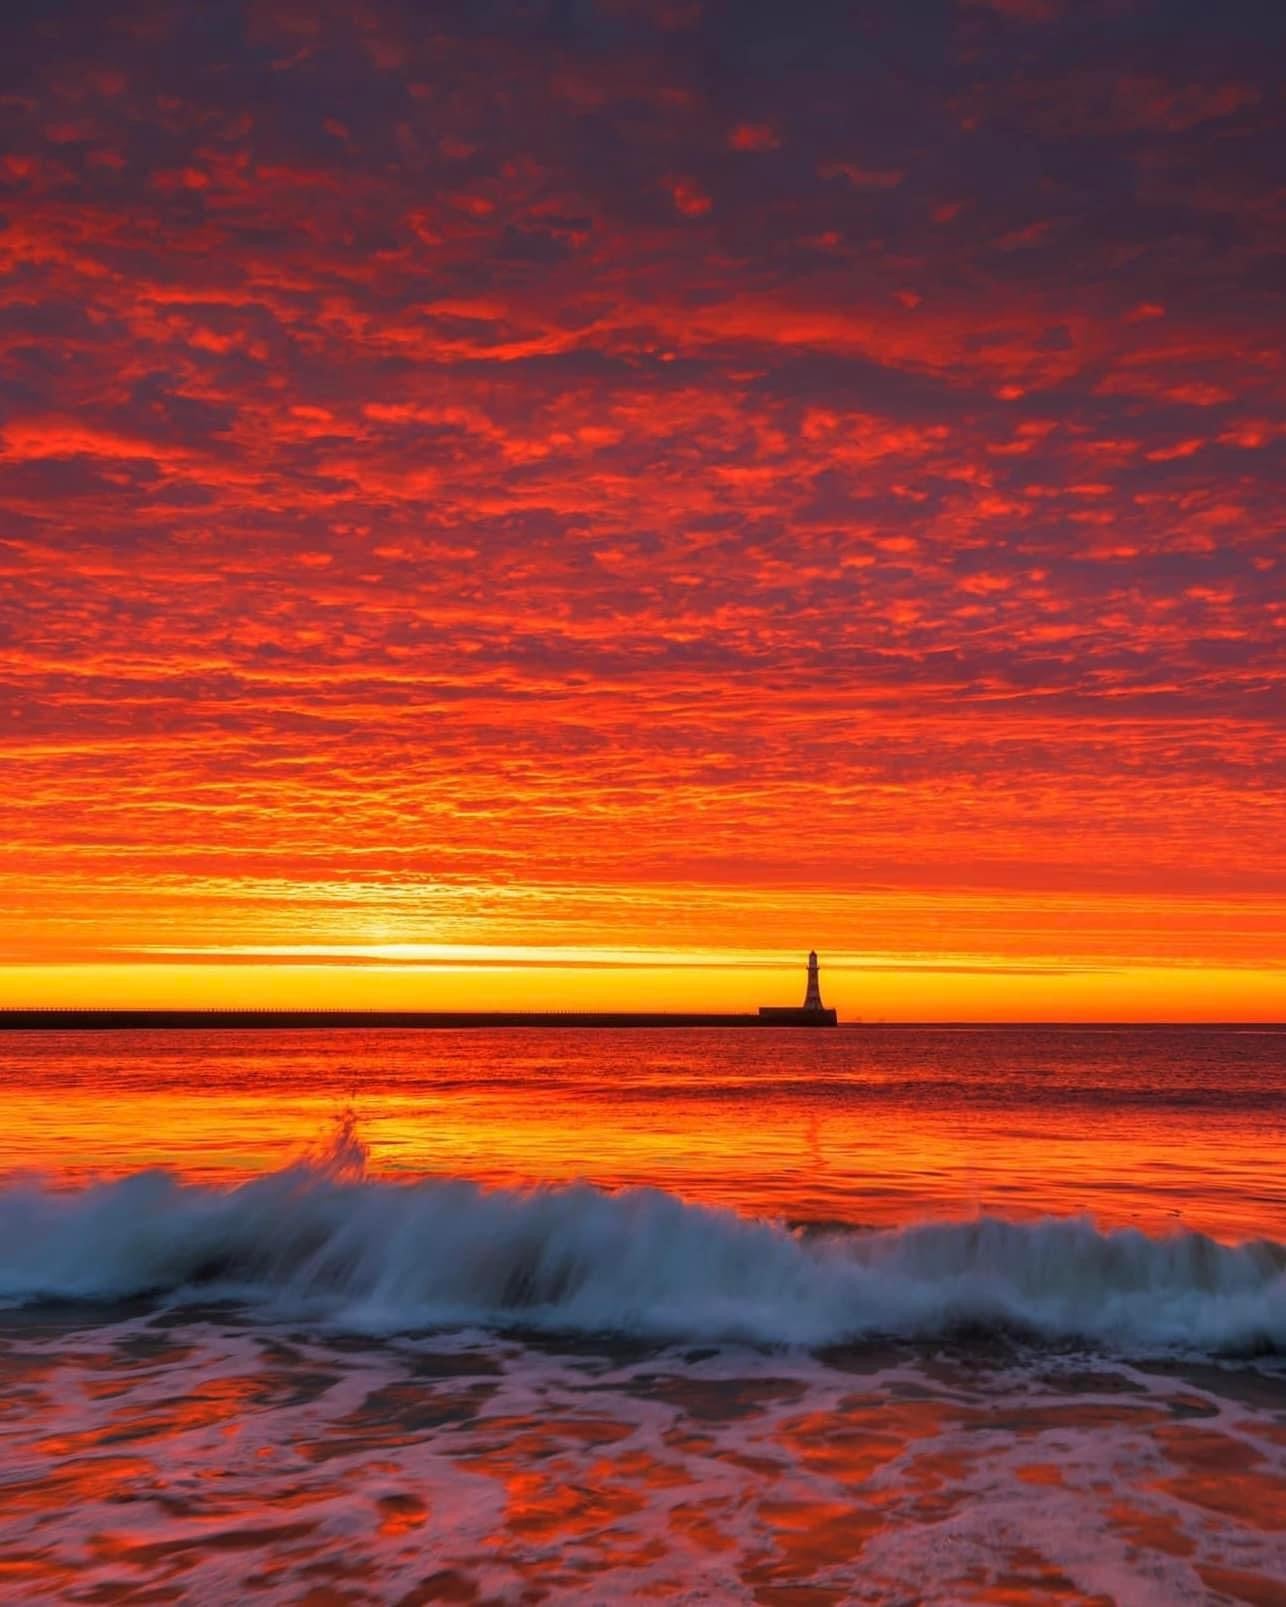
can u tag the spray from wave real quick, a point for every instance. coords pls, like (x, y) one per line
(319, 1240)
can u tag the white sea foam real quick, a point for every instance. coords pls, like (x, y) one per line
(319, 1240)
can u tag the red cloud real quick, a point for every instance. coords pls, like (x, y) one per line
(754, 137)
(527, 504)
(688, 196)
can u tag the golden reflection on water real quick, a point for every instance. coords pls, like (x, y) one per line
(200, 1452)
(1153, 1129)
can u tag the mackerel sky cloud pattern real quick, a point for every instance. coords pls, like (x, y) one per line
(583, 472)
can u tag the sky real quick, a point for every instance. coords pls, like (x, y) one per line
(578, 502)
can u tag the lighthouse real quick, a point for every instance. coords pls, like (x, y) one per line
(812, 1013)
(813, 995)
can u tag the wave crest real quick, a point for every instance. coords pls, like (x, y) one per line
(318, 1240)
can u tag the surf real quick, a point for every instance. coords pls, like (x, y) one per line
(320, 1240)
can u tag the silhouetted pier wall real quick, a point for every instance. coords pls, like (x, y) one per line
(107, 1020)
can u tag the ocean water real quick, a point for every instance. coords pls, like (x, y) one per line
(870, 1315)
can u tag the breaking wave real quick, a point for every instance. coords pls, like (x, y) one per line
(319, 1241)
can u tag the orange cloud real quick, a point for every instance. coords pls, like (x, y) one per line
(524, 516)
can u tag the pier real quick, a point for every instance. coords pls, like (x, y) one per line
(108, 1020)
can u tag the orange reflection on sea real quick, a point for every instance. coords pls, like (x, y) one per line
(1151, 1129)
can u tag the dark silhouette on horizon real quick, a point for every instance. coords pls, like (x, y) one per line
(812, 1013)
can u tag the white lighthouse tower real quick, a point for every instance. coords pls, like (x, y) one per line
(812, 1013)
(813, 995)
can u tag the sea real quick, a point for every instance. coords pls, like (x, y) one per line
(874, 1314)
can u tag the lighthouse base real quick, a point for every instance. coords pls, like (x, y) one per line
(790, 1015)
